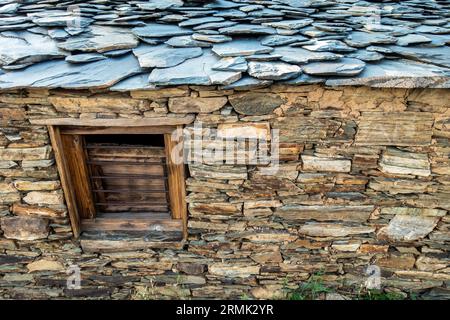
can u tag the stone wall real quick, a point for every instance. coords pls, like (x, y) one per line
(364, 179)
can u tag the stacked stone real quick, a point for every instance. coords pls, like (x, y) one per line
(363, 180)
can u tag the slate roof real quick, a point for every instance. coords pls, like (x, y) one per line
(129, 45)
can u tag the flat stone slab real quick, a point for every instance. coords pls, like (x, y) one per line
(412, 39)
(302, 56)
(273, 70)
(61, 74)
(241, 47)
(247, 29)
(187, 42)
(101, 39)
(329, 45)
(194, 71)
(397, 73)
(213, 38)
(156, 30)
(290, 24)
(359, 39)
(247, 83)
(342, 67)
(83, 58)
(24, 47)
(231, 64)
(163, 56)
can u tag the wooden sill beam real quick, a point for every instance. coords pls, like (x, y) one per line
(144, 122)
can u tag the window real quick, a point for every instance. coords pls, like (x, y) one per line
(122, 182)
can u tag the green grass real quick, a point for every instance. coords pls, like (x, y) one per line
(380, 295)
(311, 289)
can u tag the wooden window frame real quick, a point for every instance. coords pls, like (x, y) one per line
(58, 134)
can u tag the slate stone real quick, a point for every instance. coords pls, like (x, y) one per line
(58, 34)
(263, 57)
(163, 56)
(63, 20)
(197, 21)
(222, 4)
(255, 103)
(101, 39)
(24, 47)
(187, 42)
(196, 71)
(16, 20)
(302, 56)
(432, 30)
(9, 8)
(214, 38)
(273, 70)
(231, 13)
(240, 47)
(290, 24)
(137, 82)
(215, 25)
(247, 83)
(329, 45)
(395, 73)
(231, 64)
(359, 39)
(83, 58)
(247, 29)
(366, 55)
(342, 67)
(156, 30)
(412, 39)
(280, 40)
(116, 53)
(60, 74)
(305, 79)
(159, 4)
(439, 56)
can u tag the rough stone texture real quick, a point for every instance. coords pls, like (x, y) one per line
(363, 179)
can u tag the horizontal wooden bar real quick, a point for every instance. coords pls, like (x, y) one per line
(128, 162)
(130, 191)
(128, 176)
(144, 122)
(130, 224)
(133, 204)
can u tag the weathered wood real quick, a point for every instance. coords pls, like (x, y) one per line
(176, 175)
(127, 222)
(160, 121)
(75, 157)
(93, 245)
(66, 180)
(117, 130)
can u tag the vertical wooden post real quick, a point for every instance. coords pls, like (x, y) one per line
(176, 177)
(66, 182)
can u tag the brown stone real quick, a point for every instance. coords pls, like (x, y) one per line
(231, 270)
(24, 228)
(396, 262)
(44, 198)
(196, 105)
(325, 213)
(408, 228)
(98, 103)
(248, 130)
(255, 103)
(25, 153)
(311, 163)
(45, 265)
(24, 210)
(24, 185)
(191, 268)
(333, 230)
(215, 208)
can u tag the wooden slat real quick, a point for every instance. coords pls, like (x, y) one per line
(65, 178)
(118, 245)
(74, 154)
(176, 178)
(130, 224)
(145, 122)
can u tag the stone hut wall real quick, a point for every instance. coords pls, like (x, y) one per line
(364, 179)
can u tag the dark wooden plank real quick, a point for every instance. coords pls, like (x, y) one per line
(74, 154)
(176, 177)
(145, 122)
(65, 178)
(116, 130)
